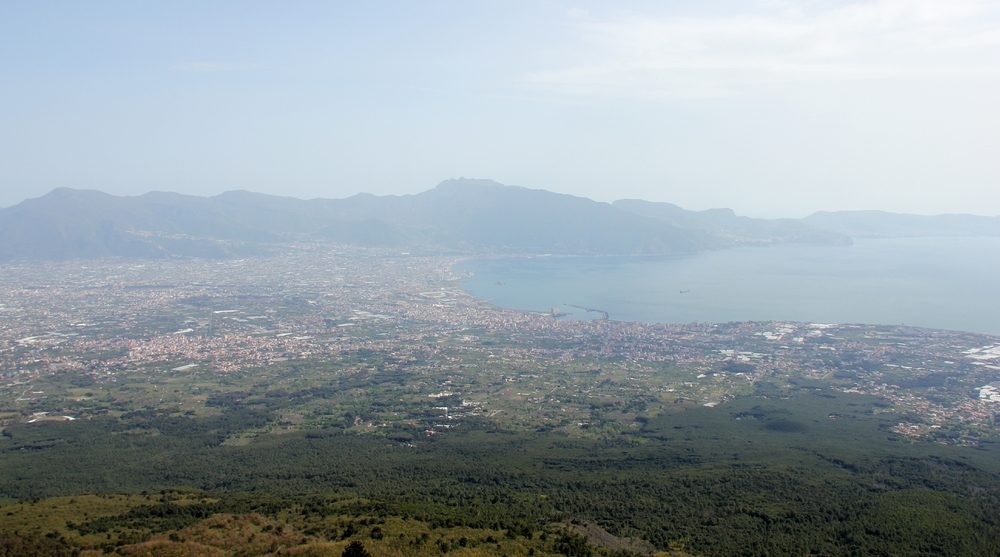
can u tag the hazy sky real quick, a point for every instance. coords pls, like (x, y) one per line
(773, 108)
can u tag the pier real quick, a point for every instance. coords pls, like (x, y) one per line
(604, 314)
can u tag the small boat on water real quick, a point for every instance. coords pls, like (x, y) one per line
(684, 291)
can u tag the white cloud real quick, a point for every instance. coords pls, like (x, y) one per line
(630, 54)
(214, 67)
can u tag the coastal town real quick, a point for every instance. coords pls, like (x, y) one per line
(379, 341)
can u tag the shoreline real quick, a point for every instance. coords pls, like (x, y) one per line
(800, 288)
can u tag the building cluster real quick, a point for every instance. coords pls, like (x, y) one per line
(363, 312)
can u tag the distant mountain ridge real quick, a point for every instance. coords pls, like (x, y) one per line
(880, 224)
(724, 223)
(485, 215)
(458, 216)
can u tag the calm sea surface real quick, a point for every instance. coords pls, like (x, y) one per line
(945, 283)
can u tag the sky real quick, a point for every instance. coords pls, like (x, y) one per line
(773, 108)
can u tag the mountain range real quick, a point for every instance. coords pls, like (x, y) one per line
(459, 216)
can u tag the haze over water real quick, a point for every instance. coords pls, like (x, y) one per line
(944, 283)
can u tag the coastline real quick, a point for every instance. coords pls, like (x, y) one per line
(934, 283)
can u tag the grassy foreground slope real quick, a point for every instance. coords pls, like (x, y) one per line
(172, 522)
(768, 474)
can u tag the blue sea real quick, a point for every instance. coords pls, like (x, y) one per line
(944, 283)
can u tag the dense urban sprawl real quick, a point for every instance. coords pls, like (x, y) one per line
(378, 338)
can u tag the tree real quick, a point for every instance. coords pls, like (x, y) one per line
(356, 549)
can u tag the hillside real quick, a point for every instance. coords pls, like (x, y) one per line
(725, 224)
(485, 215)
(458, 215)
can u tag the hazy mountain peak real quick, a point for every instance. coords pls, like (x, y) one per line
(63, 193)
(454, 184)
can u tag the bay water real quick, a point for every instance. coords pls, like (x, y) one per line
(944, 283)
